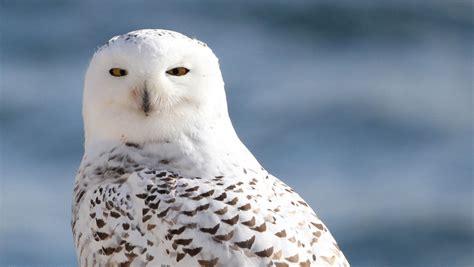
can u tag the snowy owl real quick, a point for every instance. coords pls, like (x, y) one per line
(165, 180)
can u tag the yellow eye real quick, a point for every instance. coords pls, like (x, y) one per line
(179, 71)
(117, 72)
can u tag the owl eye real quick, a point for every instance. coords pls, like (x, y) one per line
(179, 71)
(117, 72)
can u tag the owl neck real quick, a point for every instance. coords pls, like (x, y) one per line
(199, 149)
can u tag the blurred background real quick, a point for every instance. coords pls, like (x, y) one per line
(364, 107)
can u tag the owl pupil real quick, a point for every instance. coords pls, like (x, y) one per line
(118, 72)
(179, 71)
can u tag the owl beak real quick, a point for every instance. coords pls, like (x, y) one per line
(146, 105)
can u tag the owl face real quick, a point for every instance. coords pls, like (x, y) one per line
(143, 81)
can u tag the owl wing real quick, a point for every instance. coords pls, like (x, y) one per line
(159, 218)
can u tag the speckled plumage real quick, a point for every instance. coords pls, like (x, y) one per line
(186, 192)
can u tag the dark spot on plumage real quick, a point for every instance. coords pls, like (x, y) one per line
(221, 197)
(230, 187)
(163, 213)
(142, 196)
(247, 243)
(260, 228)
(177, 231)
(92, 215)
(245, 207)
(191, 225)
(102, 235)
(149, 257)
(221, 211)
(306, 263)
(154, 206)
(185, 195)
(131, 256)
(149, 243)
(318, 225)
(150, 227)
(161, 174)
(81, 194)
(189, 212)
(202, 207)
(114, 214)
(183, 185)
(225, 237)
(197, 198)
(192, 251)
(120, 171)
(281, 264)
(150, 198)
(232, 220)
(211, 230)
(130, 144)
(180, 256)
(146, 218)
(233, 201)
(108, 251)
(282, 233)
(171, 200)
(192, 189)
(100, 223)
(183, 242)
(249, 223)
(129, 247)
(163, 185)
(208, 263)
(163, 192)
(207, 194)
(145, 211)
(265, 253)
(303, 203)
(125, 226)
(164, 161)
(293, 258)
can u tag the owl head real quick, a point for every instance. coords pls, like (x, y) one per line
(152, 85)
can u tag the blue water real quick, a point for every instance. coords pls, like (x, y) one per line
(364, 108)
